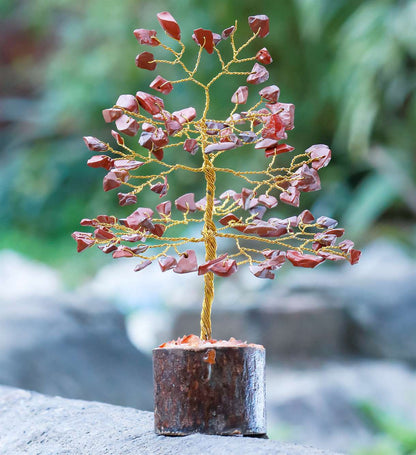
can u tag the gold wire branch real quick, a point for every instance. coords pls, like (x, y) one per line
(206, 132)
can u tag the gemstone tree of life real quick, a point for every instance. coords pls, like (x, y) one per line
(240, 214)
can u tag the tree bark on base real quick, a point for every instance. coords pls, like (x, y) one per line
(211, 390)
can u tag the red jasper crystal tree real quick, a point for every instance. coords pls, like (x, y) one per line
(238, 215)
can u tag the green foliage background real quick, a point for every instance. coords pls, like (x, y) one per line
(348, 65)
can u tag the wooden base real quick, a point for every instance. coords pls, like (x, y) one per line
(211, 390)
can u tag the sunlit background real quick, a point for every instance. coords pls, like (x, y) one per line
(343, 337)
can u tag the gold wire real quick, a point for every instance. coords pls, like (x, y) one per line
(209, 233)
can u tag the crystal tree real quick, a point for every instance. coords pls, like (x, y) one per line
(237, 215)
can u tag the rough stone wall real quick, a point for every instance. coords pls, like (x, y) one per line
(31, 423)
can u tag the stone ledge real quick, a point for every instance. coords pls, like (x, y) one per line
(37, 424)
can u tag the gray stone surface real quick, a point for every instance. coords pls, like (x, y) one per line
(31, 423)
(320, 403)
(72, 347)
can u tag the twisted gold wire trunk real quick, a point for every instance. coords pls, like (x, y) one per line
(208, 233)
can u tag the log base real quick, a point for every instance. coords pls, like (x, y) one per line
(210, 389)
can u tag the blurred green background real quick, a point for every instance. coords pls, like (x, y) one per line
(349, 66)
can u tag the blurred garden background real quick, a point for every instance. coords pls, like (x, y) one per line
(349, 66)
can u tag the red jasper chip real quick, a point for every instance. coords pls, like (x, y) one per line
(83, 239)
(123, 252)
(326, 222)
(219, 147)
(187, 263)
(258, 75)
(337, 232)
(184, 115)
(164, 208)
(160, 138)
(354, 256)
(292, 221)
(112, 114)
(126, 199)
(278, 150)
(204, 268)
(135, 238)
(230, 220)
(240, 95)
(105, 219)
(148, 127)
(191, 146)
(247, 198)
(286, 111)
(268, 201)
(94, 144)
(306, 179)
(161, 85)
(169, 25)
(275, 259)
(158, 154)
(265, 229)
(97, 161)
(128, 165)
(145, 140)
(111, 181)
(88, 222)
(320, 154)
(346, 245)
(109, 248)
(150, 103)
(227, 194)
(236, 119)
(145, 60)
(325, 239)
(246, 203)
(259, 23)
(227, 32)
(305, 217)
(160, 188)
(266, 143)
(205, 39)
(224, 268)
(142, 265)
(140, 248)
(258, 117)
(274, 128)
(216, 37)
(172, 126)
(270, 93)
(117, 137)
(127, 125)
(248, 136)
(167, 263)
(158, 229)
(290, 196)
(258, 212)
(139, 217)
(213, 128)
(202, 203)
(330, 256)
(264, 57)
(145, 36)
(308, 261)
(260, 271)
(186, 203)
(129, 103)
(103, 234)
